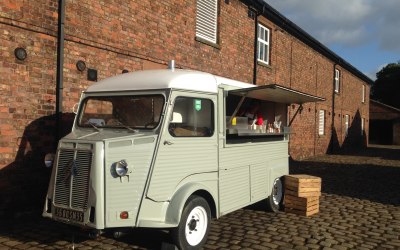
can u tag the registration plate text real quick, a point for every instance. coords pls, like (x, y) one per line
(69, 214)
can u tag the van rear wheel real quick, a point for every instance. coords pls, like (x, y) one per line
(275, 200)
(194, 226)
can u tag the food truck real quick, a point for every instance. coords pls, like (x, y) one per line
(171, 149)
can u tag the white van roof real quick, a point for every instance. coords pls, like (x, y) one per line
(165, 79)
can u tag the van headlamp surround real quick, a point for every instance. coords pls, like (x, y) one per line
(121, 168)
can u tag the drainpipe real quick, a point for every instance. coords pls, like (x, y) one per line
(333, 109)
(255, 44)
(255, 48)
(60, 66)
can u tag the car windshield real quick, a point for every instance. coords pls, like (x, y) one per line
(130, 112)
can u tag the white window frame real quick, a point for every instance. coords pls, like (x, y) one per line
(207, 20)
(337, 81)
(363, 94)
(321, 128)
(263, 43)
(362, 126)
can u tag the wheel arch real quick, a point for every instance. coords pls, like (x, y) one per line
(278, 170)
(181, 197)
(210, 200)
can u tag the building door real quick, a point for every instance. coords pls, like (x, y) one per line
(381, 132)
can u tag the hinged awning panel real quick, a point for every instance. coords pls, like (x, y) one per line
(276, 93)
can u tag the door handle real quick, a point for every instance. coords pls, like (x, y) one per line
(168, 142)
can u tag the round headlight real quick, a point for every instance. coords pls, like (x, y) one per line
(48, 160)
(121, 168)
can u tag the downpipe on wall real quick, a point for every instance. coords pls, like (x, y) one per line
(59, 73)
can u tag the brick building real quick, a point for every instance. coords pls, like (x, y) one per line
(384, 123)
(243, 40)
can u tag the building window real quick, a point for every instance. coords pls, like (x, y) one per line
(346, 124)
(321, 130)
(263, 44)
(362, 126)
(363, 94)
(206, 20)
(192, 117)
(337, 80)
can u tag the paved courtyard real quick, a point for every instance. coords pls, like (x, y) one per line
(359, 209)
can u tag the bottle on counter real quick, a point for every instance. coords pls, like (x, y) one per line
(277, 126)
(234, 121)
(270, 128)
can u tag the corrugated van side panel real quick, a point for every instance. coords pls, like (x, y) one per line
(254, 162)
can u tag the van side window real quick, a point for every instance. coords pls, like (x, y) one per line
(192, 117)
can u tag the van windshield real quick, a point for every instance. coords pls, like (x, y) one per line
(131, 112)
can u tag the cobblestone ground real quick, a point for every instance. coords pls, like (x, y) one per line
(359, 209)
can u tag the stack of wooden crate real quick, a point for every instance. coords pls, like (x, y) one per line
(302, 194)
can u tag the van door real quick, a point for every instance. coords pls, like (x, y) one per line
(188, 145)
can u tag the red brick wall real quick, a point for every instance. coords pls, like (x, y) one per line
(114, 35)
(298, 66)
(27, 87)
(380, 112)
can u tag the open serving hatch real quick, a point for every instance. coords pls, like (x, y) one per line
(273, 93)
(276, 93)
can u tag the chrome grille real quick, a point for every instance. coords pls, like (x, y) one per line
(72, 178)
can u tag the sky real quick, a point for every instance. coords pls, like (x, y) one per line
(365, 33)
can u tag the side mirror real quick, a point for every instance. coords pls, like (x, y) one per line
(75, 108)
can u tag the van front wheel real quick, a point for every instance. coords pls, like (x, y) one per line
(275, 200)
(193, 228)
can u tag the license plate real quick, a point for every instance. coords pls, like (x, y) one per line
(68, 214)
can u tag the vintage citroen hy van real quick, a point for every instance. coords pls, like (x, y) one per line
(170, 149)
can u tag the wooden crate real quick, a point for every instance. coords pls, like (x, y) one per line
(301, 212)
(302, 185)
(301, 205)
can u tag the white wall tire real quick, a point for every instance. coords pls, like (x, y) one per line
(275, 200)
(194, 225)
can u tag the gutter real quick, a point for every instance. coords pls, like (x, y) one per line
(59, 71)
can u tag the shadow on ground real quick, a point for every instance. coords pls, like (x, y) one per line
(372, 174)
(44, 233)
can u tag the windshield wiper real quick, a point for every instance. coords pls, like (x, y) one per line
(94, 126)
(127, 127)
